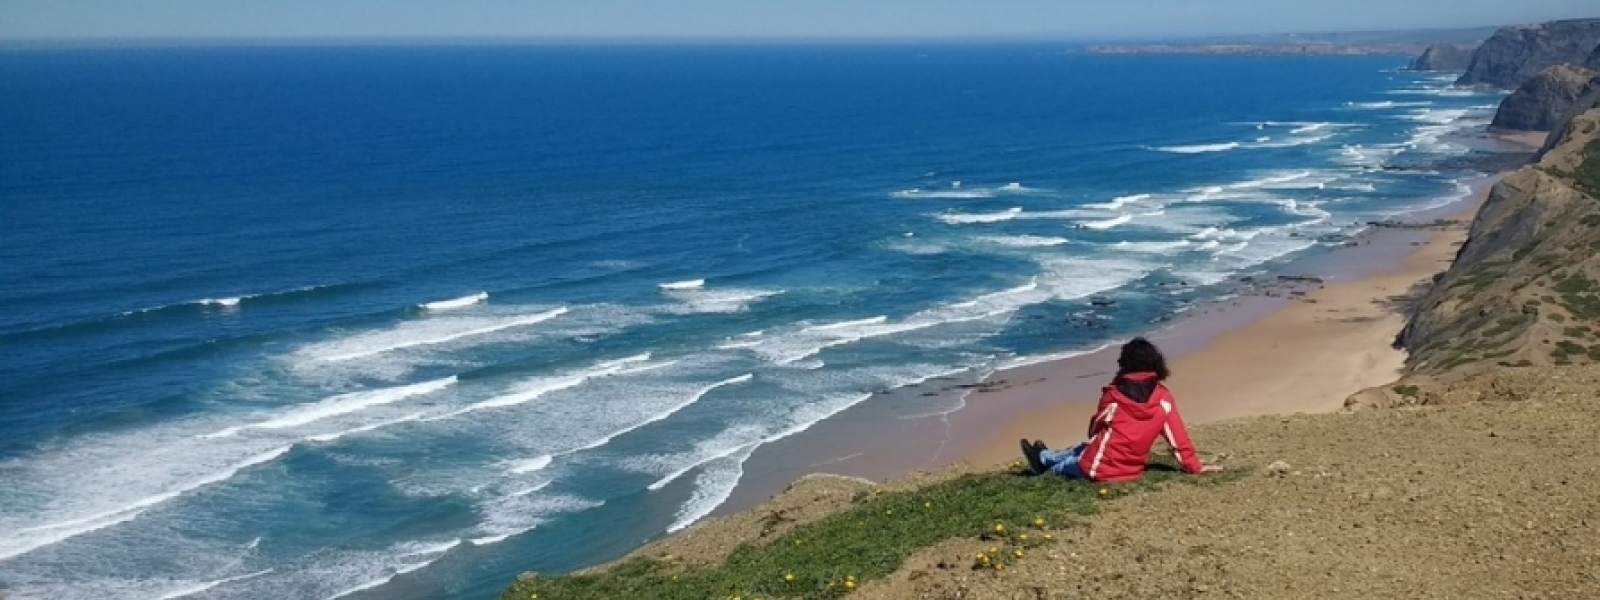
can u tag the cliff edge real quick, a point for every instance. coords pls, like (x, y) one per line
(1525, 288)
(1543, 103)
(1514, 55)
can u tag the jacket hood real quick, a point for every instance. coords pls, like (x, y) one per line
(1133, 393)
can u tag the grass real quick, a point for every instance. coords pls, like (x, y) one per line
(1505, 325)
(1407, 390)
(827, 558)
(1481, 276)
(1588, 173)
(1579, 296)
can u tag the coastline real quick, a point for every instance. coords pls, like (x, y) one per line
(978, 418)
(1301, 355)
(1286, 356)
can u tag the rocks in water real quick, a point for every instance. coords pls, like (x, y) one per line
(1300, 279)
(1393, 224)
(1483, 162)
(1541, 103)
(1442, 57)
(1514, 55)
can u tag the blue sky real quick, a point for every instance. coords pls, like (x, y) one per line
(698, 19)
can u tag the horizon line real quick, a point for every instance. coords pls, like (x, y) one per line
(468, 40)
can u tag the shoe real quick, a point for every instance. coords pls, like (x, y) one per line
(1040, 445)
(1031, 452)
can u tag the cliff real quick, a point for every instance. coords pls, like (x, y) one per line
(1442, 57)
(1588, 98)
(1544, 102)
(1515, 54)
(1525, 288)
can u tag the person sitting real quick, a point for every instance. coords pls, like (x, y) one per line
(1135, 409)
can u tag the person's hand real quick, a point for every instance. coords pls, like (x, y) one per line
(1207, 469)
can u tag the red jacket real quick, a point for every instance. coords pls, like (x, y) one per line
(1134, 410)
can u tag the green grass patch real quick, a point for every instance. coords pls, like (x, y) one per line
(1579, 297)
(1457, 360)
(868, 541)
(1407, 390)
(1588, 173)
(1507, 324)
(1500, 354)
(1480, 276)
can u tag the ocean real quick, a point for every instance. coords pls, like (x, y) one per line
(403, 322)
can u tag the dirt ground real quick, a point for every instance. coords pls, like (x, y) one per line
(1486, 499)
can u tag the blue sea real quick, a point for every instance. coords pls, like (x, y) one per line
(403, 322)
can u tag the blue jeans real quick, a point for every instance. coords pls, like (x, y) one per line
(1064, 462)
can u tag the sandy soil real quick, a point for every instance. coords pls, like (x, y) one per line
(1477, 500)
(1306, 357)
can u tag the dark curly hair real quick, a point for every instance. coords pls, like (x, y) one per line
(1141, 356)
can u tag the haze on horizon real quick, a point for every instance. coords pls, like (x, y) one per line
(47, 20)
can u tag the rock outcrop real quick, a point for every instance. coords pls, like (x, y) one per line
(1515, 54)
(1525, 288)
(1588, 99)
(1544, 102)
(1442, 57)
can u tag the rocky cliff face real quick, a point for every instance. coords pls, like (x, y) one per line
(1588, 98)
(1442, 57)
(1544, 102)
(1525, 288)
(1515, 54)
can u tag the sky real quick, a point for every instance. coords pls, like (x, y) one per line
(25, 20)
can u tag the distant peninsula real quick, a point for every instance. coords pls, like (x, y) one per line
(1404, 42)
(1317, 49)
